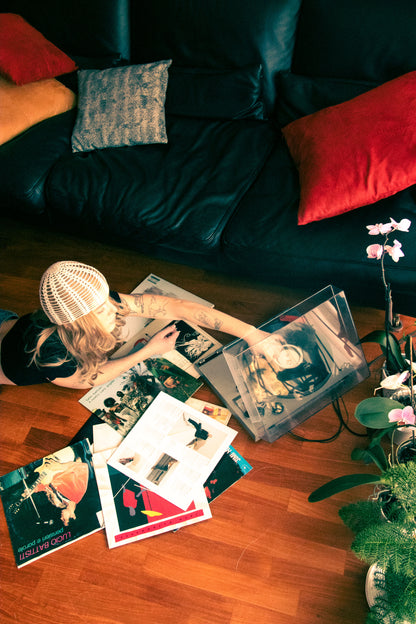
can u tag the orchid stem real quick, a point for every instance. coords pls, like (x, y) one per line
(393, 322)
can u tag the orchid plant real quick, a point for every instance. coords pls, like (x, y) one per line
(381, 414)
(395, 362)
(384, 416)
(378, 251)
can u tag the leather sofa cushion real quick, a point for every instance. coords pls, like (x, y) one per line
(177, 195)
(216, 93)
(304, 95)
(86, 29)
(217, 35)
(25, 162)
(356, 39)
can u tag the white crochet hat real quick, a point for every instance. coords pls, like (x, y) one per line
(69, 290)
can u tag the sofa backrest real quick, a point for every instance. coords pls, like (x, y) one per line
(371, 40)
(84, 28)
(359, 40)
(219, 34)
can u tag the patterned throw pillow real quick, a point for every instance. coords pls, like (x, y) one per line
(121, 106)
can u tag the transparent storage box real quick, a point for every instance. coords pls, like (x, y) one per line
(310, 357)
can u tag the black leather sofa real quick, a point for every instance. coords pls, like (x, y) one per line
(223, 192)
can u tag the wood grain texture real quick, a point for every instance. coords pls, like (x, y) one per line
(266, 556)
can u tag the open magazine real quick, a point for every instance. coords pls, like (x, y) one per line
(152, 284)
(51, 502)
(172, 449)
(131, 511)
(192, 344)
(121, 401)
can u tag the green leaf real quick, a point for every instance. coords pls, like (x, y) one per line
(340, 484)
(373, 412)
(378, 336)
(391, 349)
(372, 454)
(379, 434)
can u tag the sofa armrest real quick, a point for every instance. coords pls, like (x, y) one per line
(25, 162)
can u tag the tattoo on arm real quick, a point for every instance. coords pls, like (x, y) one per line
(139, 304)
(157, 307)
(153, 306)
(150, 305)
(204, 320)
(125, 308)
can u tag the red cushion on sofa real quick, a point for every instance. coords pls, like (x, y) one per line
(355, 153)
(25, 54)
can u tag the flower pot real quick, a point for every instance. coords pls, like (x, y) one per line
(406, 450)
(402, 394)
(374, 590)
(388, 505)
(402, 434)
(374, 584)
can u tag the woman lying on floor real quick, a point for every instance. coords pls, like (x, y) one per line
(69, 340)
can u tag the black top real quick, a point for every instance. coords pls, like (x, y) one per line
(17, 351)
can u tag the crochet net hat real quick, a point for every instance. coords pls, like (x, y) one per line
(69, 290)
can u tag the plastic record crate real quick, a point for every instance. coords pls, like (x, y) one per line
(311, 357)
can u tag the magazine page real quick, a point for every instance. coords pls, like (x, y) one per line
(121, 401)
(131, 511)
(155, 285)
(172, 449)
(192, 344)
(51, 502)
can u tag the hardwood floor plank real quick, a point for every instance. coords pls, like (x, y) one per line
(248, 614)
(278, 596)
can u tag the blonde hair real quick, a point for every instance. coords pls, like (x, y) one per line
(85, 339)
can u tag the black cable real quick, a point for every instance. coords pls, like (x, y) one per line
(347, 427)
(343, 424)
(322, 440)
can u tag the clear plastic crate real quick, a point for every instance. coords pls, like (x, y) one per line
(311, 357)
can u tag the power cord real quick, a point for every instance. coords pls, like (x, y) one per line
(343, 424)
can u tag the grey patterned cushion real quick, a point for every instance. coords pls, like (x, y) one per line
(121, 106)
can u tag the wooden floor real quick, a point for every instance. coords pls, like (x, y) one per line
(266, 556)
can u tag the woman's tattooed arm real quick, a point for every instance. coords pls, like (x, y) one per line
(151, 306)
(171, 309)
(202, 318)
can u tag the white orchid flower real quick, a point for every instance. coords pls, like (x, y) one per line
(394, 382)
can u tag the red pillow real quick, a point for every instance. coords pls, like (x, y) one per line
(25, 54)
(355, 153)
